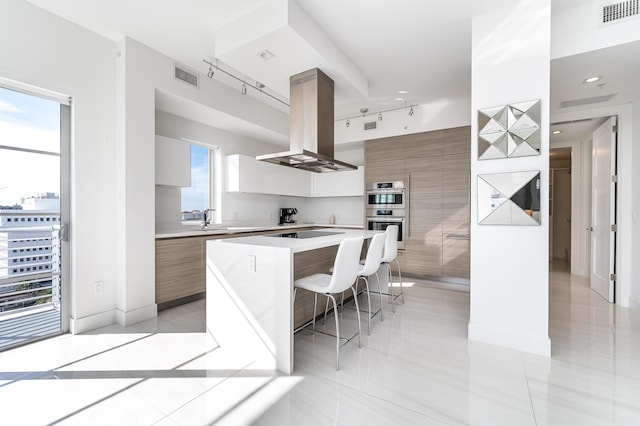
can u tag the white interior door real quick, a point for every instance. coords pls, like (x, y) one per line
(603, 210)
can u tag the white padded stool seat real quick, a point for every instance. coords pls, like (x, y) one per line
(318, 283)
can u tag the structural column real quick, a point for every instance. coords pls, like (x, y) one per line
(509, 263)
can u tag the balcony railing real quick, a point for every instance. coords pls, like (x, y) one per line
(29, 265)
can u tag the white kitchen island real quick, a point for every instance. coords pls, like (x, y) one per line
(249, 293)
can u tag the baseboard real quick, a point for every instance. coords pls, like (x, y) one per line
(177, 302)
(522, 342)
(634, 303)
(91, 322)
(136, 315)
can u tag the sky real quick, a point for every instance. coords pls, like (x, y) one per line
(197, 196)
(28, 122)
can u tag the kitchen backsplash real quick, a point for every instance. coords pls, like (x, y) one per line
(260, 209)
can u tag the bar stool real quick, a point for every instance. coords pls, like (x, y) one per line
(390, 254)
(370, 267)
(345, 270)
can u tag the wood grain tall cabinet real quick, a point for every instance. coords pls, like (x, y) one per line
(437, 167)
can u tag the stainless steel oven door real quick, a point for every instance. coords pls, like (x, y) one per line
(380, 223)
(381, 198)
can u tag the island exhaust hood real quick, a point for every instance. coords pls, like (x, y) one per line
(312, 124)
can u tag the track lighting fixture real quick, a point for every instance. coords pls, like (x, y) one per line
(258, 86)
(365, 111)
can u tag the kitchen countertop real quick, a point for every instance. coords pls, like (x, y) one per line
(222, 229)
(297, 245)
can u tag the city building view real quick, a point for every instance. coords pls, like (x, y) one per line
(29, 255)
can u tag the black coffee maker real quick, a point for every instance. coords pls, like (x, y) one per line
(286, 216)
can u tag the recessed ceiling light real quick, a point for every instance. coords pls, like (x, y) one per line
(591, 79)
(399, 99)
(402, 92)
(557, 132)
(265, 55)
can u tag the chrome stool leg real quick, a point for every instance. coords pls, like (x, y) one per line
(380, 291)
(315, 305)
(393, 298)
(335, 309)
(400, 278)
(366, 283)
(355, 297)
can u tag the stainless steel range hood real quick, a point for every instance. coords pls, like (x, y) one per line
(311, 120)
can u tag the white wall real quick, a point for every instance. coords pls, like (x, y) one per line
(346, 210)
(43, 50)
(577, 29)
(509, 264)
(634, 224)
(440, 114)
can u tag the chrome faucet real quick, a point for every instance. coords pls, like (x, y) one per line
(208, 216)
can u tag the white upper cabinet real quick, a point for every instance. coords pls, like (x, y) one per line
(339, 184)
(173, 162)
(246, 174)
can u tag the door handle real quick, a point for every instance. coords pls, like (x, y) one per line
(63, 233)
(590, 228)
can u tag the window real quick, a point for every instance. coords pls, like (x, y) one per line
(203, 192)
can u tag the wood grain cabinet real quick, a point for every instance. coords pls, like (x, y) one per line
(437, 167)
(181, 264)
(456, 215)
(179, 268)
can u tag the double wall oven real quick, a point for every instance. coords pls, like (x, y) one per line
(387, 203)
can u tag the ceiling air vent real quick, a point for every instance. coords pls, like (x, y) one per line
(586, 101)
(372, 125)
(618, 11)
(189, 77)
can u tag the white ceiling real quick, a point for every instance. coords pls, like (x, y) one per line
(422, 47)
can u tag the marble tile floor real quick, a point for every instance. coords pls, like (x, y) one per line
(416, 368)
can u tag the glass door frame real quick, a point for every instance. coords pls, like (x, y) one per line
(66, 113)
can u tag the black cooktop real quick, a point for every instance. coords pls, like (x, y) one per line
(304, 234)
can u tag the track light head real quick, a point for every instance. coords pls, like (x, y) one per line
(348, 123)
(210, 72)
(243, 90)
(411, 111)
(379, 116)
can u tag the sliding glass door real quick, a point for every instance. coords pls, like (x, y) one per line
(34, 144)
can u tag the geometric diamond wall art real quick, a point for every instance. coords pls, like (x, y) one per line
(509, 198)
(509, 131)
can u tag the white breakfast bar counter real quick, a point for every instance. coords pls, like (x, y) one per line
(250, 289)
